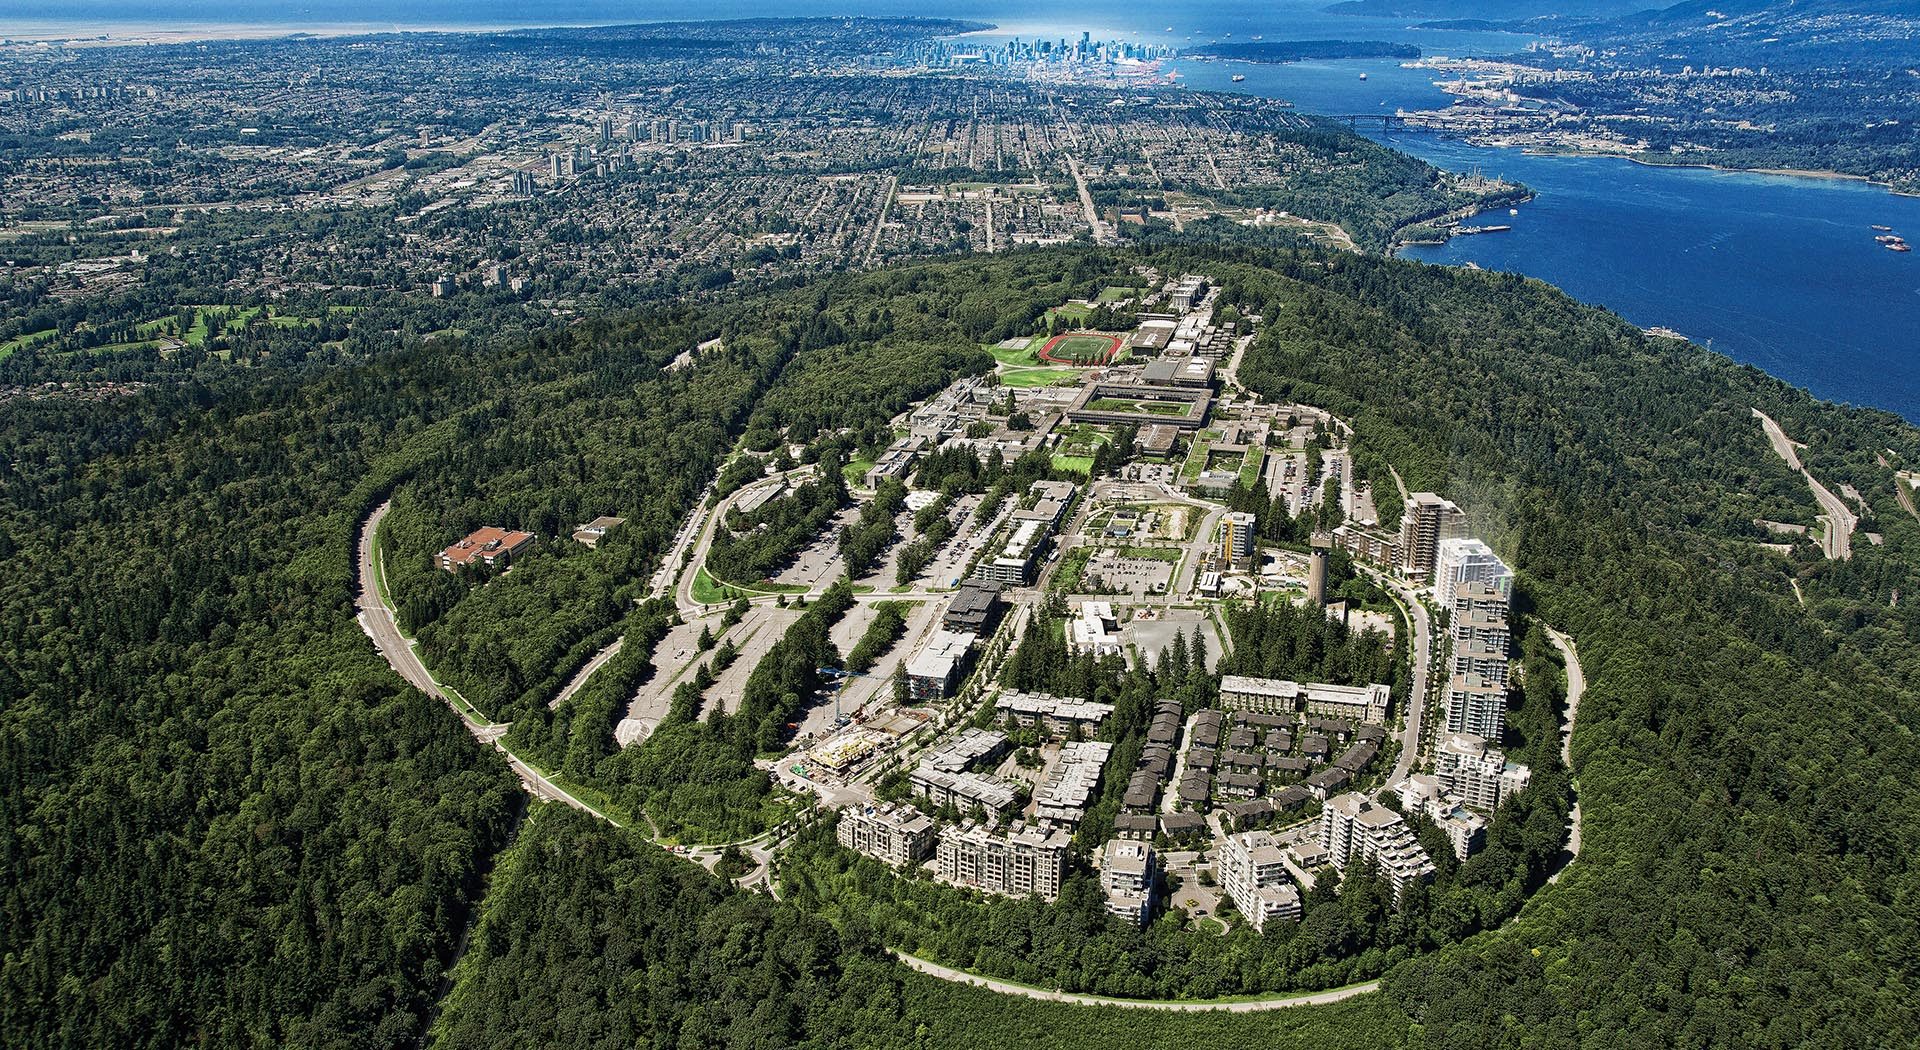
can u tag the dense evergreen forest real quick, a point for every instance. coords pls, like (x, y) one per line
(226, 822)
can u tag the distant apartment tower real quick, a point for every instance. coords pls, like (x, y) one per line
(606, 132)
(1426, 521)
(1126, 873)
(1476, 772)
(1463, 560)
(898, 835)
(1252, 871)
(1354, 828)
(1236, 542)
(1020, 863)
(663, 130)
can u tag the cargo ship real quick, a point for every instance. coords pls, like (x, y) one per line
(1883, 229)
(1238, 77)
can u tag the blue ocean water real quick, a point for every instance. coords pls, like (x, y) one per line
(1778, 272)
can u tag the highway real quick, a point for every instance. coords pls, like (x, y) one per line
(1837, 540)
(377, 619)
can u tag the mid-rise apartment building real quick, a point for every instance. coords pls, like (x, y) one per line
(1021, 862)
(1126, 873)
(1276, 696)
(1253, 871)
(1236, 540)
(1476, 705)
(898, 835)
(1476, 772)
(1354, 828)
(1465, 829)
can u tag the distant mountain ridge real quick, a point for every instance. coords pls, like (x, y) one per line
(1488, 10)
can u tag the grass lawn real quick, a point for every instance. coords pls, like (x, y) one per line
(856, 471)
(707, 592)
(22, 342)
(1153, 408)
(1023, 356)
(1072, 565)
(1032, 377)
(1075, 312)
(1250, 466)
(1115, 293)
(1081, 465)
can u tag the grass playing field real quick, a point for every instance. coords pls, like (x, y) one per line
(1081, 348)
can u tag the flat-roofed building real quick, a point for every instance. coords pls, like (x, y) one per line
(1068, 789)
(1361, 703)
(1126, 873)
(487, 545)
(1465, 829)
(1094, 629)
(1462, 560)
(596, 530)
(1022, 862)
(1475, 705)
(1481, 657)
(1056, 714)
(1188, 372)
(1236, 542)
(963, 790)
(1477, 773)
(898, 835)
(1014, 560)
(1427, 520)
(971, 749)
(1483, 625)
(1354, 828)
(1253, 871)
(935, 671)
(1373, 546)
(976, 608)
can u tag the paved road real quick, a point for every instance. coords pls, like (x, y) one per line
(376, 618)
(1101, 234)
(1576, 688)
(1238, 1006)
(1837, 539)
(580, 677)
(1421, 654)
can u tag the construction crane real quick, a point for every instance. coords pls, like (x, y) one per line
(839, 676)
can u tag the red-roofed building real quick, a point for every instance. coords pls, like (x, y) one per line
(487, 545)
